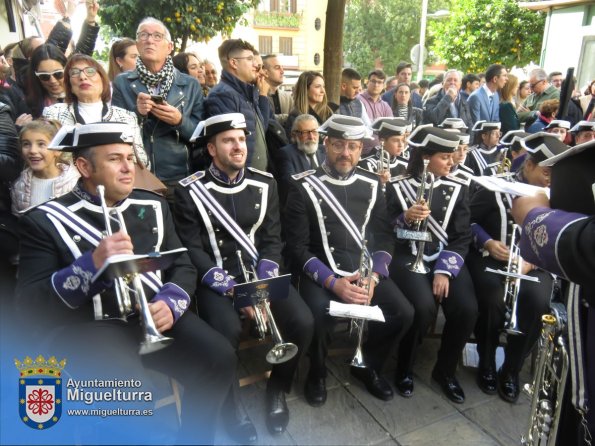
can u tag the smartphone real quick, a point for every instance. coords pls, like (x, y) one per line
(157, 98)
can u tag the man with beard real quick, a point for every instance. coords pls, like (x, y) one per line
(330, 213)
(304, 153)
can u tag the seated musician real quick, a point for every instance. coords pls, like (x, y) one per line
(484, 152)
(493, 231)
(392, 133)
(444, 278)
(330, 212)
(62, 248)
(231, 207)
(459, 156)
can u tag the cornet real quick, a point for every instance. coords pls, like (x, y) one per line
(152, 339)
(365, 276)
(418, 266)
(281, 351)
(513, 276)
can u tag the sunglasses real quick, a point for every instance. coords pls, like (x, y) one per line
(45, 77)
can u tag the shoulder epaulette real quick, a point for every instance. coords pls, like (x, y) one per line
(399, 178)
(299, 176)
(192, 178)
(262, 172)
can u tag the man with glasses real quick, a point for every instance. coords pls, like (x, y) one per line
(304, 153)
(242, 90)
(330, 212)
(449, 103)
(375, 106)
(169, 103)
(542, 90)
(210, 74)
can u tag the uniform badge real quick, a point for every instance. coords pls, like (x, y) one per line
(299, 176)
(262, 172)
(192, 178)
(40, 391)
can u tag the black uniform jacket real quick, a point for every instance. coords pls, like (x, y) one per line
(50, 277)
(318, 242)
(448, 221)
(252, 202)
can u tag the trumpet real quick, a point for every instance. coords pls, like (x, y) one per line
(365, 276)
(152, 339)
(418, 266)
(281, 351)
(383, 165)
(503, 169)
(513, 276)
(549, 381)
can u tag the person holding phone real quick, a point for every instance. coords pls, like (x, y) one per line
(167, 123)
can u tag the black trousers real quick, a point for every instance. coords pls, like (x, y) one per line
(533, 302)
(292, 316)
(200, 359)
(460, 311)
(398, 314)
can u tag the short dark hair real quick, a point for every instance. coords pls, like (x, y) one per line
(402, 65)
(423, 83)
(378, 73)
(349, 74)
(552, 74)
(494, 71)
(469, 79)
(232, 46)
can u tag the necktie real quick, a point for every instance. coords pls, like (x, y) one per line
(313, 161)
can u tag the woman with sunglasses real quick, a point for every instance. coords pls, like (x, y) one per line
(45, 79)
(87, 99)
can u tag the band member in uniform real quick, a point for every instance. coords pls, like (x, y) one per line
(386, 160)
(447, 281)
(227, 208)
(485, 151)
(459, 169)
(62, 248)
(492, 228)
(559, 235)
(583, 131)
(514, 143)
(558, 127)
(329, 212)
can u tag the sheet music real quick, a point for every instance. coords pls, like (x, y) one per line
(356, 311)
(516, 189)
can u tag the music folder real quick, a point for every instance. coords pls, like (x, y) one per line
(249, 293)
(121, 265)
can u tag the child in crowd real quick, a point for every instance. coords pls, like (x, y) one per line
(47, 174)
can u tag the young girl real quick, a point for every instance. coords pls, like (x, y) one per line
(47, 175)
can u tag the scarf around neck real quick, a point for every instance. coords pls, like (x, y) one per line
(165, 76)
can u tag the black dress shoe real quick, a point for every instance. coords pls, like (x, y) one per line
(486, 380)
(242, 431)
(277, 414)
(405, 386)
(508, 386)
(376, 384)
(315, 391)
(450, 386)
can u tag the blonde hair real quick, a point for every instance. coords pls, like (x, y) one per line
(507, 92)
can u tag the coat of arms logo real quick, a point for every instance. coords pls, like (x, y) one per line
(40, 391)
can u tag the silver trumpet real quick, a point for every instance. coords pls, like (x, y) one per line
(281, 351)
(418, 266)
(383, 165)
(365, 277)
(513, 276)
(549, 381)
(131, 283)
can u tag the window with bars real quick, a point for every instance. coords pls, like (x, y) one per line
(265, 44)
(286, 46)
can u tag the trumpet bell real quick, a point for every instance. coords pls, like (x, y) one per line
(281, 353)
(153, 343)
(418, 267)
(358, 359)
